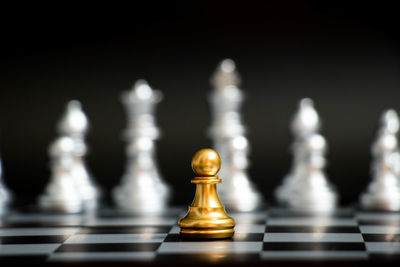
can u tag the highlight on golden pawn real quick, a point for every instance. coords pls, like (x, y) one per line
(206, 217)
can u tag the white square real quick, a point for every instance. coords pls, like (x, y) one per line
(101, 256)
(379, 229)
(313, 221)
(383, 247)
(115, 238)
(27, 249)
(210, 247)
(38, 231)
(313, 237)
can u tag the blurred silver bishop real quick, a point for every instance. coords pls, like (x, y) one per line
(5, 194)
(227, 132)
(383, 193)
(71, 188)
(142, 189)
(306, 187)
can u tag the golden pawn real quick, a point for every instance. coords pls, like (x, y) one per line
(206, 217)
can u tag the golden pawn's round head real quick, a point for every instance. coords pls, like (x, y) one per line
(206, 162)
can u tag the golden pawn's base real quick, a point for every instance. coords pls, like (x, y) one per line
(205, 227)
(206, 217)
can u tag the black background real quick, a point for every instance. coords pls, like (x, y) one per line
(344, 56)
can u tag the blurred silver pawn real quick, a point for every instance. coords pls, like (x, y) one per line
(383, 193)
(304, 124)
(142, 189)
(71, 188)
(5, 194)
(62, 194)
(74, 124)
(227, 131)
(306, 187)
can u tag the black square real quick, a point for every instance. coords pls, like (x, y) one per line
(177, 238)
(36, 239)
(237, 237)
(381, 237)
(125, 229)
(22, 259)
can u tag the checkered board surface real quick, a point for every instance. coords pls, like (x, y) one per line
(271, 235)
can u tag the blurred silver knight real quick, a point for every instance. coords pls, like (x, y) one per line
(142, 189)
(5, 194)
(227, 131)
(306, 187)
(383, 193)
(71, 188)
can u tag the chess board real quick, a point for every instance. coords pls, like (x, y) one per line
(265, 236)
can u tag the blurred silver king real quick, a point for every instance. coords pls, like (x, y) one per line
(306, 187)
(383, 193)
(71, 188)
(142, 189)
(227, 132)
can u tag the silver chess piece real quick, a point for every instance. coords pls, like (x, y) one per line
(227, 132)
(71, 188)
(383, 193)
(74, 124)
(62, 194)
(5, 194)
(306, 187)
(142, 189)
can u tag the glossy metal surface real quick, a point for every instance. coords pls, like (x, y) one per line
(229, 140)
(71, 187)
(142, 189)
(206, 217)
(206, 162)
(306, 187)
(5, 194)
(74, 122)
(61, 194)
(383, 193)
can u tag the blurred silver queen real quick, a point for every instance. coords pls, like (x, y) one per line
(227, 132)
(142, 189)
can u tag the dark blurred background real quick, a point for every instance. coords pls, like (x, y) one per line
(344, 56)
